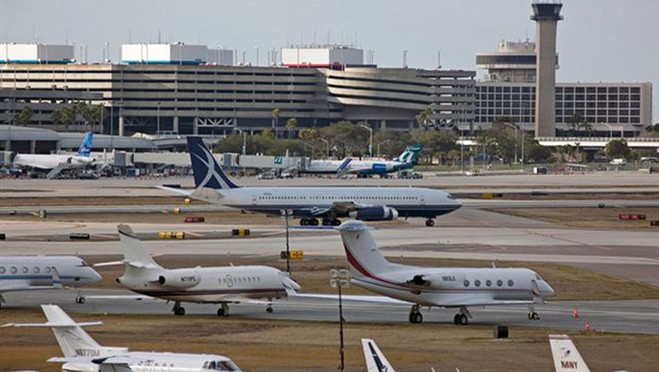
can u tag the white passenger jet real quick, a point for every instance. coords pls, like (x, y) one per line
(46, 162)
(83, 354)
(405, 160)
(441, 287)
(311, 203)
(22, 273)
(217, 285)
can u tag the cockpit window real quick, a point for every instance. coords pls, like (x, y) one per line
(538, 277)
(221, 365)
(450, 197)
(83, 264)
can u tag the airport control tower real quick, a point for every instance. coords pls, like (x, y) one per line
(546, 16)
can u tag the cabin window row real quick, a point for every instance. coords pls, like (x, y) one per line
(488, 283)
(329, 197)
(24, 269)
(239, 279)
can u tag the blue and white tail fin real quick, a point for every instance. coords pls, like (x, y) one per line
(565, 354)
(86, 145)
(206, 169)
(363, 254)
(410, 155)
(375, 359)
(134, 253)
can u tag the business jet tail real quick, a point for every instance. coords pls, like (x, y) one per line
(364, 256)
(375, 359)
(134, 253)
(72, 339)
(86, 145)
(206, 169)
(565, 354)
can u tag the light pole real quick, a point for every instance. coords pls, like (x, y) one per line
(244, 139)
(378, 147)
(370, 142)
(327, 143)
(287, 213)
(340, 279)
(158, 120)
(462, 150)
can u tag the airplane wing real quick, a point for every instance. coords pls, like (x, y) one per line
(174, 190)
(480, 302)
(116, 363)
(354, 298)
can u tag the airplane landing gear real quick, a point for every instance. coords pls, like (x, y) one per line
(223, 310)
(308, 222)
(331, 222)
(532, 314)
(80, 300)
(415, 315)
(460, 319)
(430, 222)
(178, 309)
(269, 309)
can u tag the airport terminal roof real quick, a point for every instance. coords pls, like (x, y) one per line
(17, 133)
(104, 141)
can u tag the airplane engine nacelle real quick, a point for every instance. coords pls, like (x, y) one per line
(374, 214)
(179, 279)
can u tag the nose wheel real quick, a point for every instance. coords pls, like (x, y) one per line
(430, 222)
(178, 309)
(269, 309)
(223, 310)
(534, 316)
(415, 315)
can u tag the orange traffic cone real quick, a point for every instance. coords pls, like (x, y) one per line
(575, 313)
(586, 326)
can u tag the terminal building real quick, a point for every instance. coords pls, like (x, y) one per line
(508, 90)
(174, 90)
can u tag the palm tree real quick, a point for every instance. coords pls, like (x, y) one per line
(290, 125)
(23, 117)
(275, 115)
(423, 117)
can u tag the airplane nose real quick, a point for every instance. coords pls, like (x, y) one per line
(94, 276)
(547, 290)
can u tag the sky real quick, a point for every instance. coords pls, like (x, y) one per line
(599, 40)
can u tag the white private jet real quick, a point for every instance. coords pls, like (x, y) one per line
(456, 287)
(311, 203)
(217, 285)
(22, 273)
(52, 162)
(375, 359)
(83, 354)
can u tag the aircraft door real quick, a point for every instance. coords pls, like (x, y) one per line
(255, 198)
(229, 280)
(422, 199)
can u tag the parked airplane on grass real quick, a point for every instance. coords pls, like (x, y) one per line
(565, 354)
(312, 203)
(22, 273)
(82, 353)
(441, 287)
(217, 285)
(55, 163)
(406, 160)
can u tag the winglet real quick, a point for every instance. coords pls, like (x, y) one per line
(375, 359)
(565, 354)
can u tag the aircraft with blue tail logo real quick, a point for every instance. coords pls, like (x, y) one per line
(312, 203)
(406, 160)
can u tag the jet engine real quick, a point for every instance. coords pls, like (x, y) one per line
(179, 279)
(374, 214)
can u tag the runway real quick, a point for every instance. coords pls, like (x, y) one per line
(640, 317)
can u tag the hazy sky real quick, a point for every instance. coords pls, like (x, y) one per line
(599, 40)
